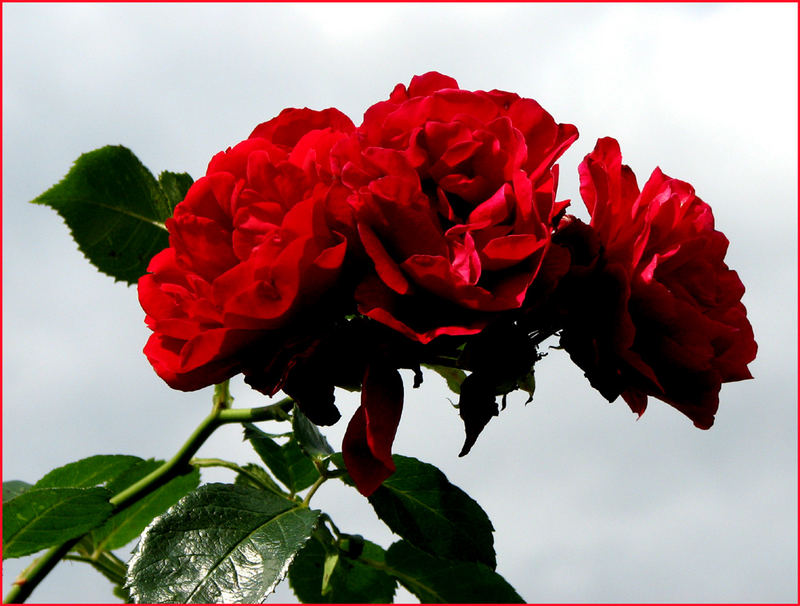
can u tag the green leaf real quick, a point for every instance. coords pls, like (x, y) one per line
(123, 594)
(419, 504)
(527, 383)
(287, 461)
(91, 471)
(454, 376)
(104, 562)
(350, 581)
(124, 527)
(338, 461)
(260, 473)
(14, 488)
(331, 560)
(115, 210)
(174, 186)
(308, 437)
(505, 387)
(439, 580)
(221, 543)
(43, 517)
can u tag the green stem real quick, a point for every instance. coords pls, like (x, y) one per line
(178, 463)
(101, 559)
(322, 469)
(175, 466)
(30, 578)
(109, 565)
(326, 518)
(320, 481)
(222, 395)
(112, 565)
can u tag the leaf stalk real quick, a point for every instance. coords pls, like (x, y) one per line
(30, 578)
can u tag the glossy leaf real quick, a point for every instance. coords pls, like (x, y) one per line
(123, 594)
(91, 471)
(443, 581)
(290, 466)
(43, 517)
(128, 524)
(115, 210)
(14, 488)
(420, 504)
(220, 543)
(350, 581)
(308, 437)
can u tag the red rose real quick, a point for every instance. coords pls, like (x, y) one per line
(454, 205)
(251, 247)
(668, 316)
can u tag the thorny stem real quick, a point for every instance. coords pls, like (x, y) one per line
(30, 578)
(178, 463)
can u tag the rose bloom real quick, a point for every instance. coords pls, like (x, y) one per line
(653, 308)
(454, 203)
(253, 246)
(256, 278)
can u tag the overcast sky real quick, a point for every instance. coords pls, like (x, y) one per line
(588, 503)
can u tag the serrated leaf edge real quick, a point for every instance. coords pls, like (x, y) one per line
(7, 543)
(137, 555)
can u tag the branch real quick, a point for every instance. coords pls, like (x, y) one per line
(30, 578)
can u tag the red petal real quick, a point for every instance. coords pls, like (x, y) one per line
(493, 211)
(382, 399)
(288, 127)
(190, 368)
(367, 443)
(385, 266)
(430, 82)
(367, 472)
(506, 251)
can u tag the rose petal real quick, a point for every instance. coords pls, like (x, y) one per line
(288, 127)
(367, 443)
(504, 252)
(386, 267)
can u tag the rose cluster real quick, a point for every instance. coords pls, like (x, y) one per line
(318, 254)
